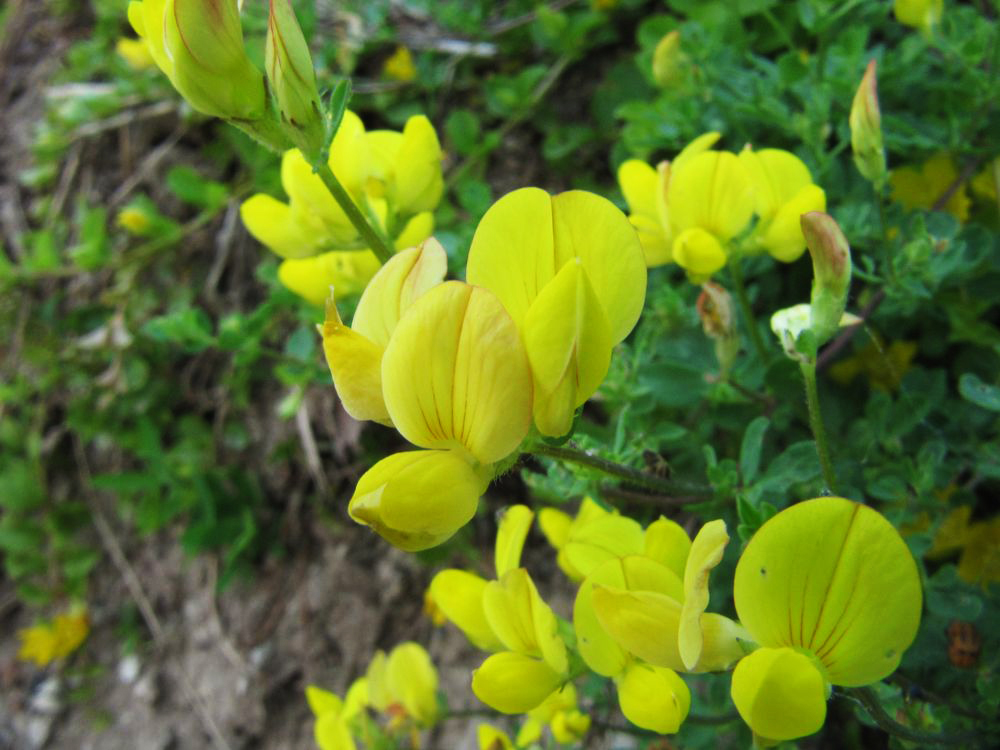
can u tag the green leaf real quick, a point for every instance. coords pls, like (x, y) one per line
(191, 187)
(190, 328)
(463, 129)
(751, 447)
(798, 463)
(339, 98)
(979, 393)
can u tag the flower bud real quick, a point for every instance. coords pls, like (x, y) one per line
(921, 14)
(199, 45)
(831, 258)
(866, 129)
(292, 79)
(668, 59)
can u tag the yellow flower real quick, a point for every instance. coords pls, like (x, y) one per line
(883, 366)
(783, 191)
(134, 220)
(645, 190)
(399, 66)
(135, 52)
(332, 728)
(403, 685)
(978, 543)
(830, 592)
(491, 738)
(920, 14)
(570, 271)
(454, 380)
(198, 44)
(354, 354)
(567, 723)
(594, 536)
(47, 642)
(395, 178)
(921, 187)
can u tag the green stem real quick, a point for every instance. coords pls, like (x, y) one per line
(370, 234)
(816, 423)
(620, 471)
(870, 702)
(736, 271)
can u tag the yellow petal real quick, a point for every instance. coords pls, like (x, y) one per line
(833, 577)
(417, 229)
(347, 271)
(608, 536)
(308, 193)
(290, 234)
(666, 542)
(491, 738)
(522, 620)
(459, 595)
(356, 367)
(419, 183)
(639, 183)
(396, 286)
(349, 154)
(706, 553)
(644, 623)
(656, 246)
(654, 698)
(455, 374)
(356, 698)
(597, 646)
(779, 694)
(568, 341)
(777, 176)
(515, 522)
(528, 236)
(413, 682)
(783, 237)
(555, 526)
(323, 701)
(699, 145)
(513, 683)
(699, 252)
(712, 191)
(331, 733)
(418, 499)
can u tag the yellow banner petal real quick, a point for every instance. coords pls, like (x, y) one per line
(418, 499)
(417, 167)
(777, 177)
(455, 374)
(413, 682)
(513, 683)
(349, 154)
(666, 542)
(654, 698)
(779, 693)
(290, 234)
(514, 524)
(783, 237)
(606, 537)
(639, 183)
(836, 578)
(712, 191)
(459, 595)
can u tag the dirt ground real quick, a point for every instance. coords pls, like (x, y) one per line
(196, 668)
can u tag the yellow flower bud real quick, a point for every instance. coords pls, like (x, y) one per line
(866, 129)
(668, 59)
(418, 499)
(831, 258)
(399, 66)
(198, 44)
(921, 14)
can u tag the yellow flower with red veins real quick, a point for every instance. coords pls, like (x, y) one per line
(830, 592)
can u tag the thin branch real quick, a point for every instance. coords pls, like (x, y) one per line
(868, 700)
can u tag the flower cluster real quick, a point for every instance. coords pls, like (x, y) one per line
(50, 641)
(394, 178)
(462, 370)
(696, 210)
(401, 687)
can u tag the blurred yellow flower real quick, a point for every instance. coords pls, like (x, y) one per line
(399, 65)
(134, 220)
(978, 544)
(52, 640)
(332, 730)
(403, 685)
(920, 14)
(884, 366)
(921, 187)
(135, 52)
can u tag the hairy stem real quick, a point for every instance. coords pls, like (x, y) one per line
(816, 423)
(736, 271)
(870, 702)
(620, 471)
